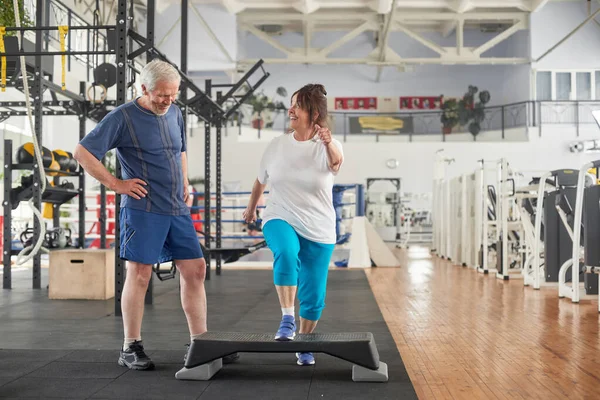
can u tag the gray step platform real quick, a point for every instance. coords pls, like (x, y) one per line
(205, 353)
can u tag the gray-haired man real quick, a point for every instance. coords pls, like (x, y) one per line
(155, 221)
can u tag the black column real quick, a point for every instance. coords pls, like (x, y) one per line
(184, 53)
(7, 234)
(184, 35)
(38, 115)
(218, 186)
(208, 91)
(184, 57)
(150, 13)
(82, 131)
(121, 52)
(102, 220)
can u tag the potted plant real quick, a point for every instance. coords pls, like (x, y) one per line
(449, 118)
(261, 103)
(465, 111)
(472, 112)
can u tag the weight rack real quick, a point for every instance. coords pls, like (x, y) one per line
(121, 43)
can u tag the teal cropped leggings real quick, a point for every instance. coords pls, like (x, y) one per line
(299, 262)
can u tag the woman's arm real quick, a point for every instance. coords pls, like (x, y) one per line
(257, 191)
(334, 157)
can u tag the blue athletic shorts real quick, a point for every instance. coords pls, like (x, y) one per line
(151, 238)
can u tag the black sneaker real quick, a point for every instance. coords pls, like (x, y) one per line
(226, 360)
(135, 358)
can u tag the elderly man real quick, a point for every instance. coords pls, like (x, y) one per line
(155, 221)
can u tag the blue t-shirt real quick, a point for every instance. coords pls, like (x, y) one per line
(149, 148)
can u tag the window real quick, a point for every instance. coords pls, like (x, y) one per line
(597, 76)
(544, 85)
(583, 85)
(563, 86)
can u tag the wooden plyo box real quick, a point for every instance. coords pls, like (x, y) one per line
(86, 274)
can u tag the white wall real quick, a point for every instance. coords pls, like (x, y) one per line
(516, 84)
(552, 23)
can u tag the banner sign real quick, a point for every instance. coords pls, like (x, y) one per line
(421, 103)
(356, 103)
(381, 124)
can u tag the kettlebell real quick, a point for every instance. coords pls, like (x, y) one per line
(62, 238)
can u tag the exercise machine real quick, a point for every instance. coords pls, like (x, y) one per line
(489, 233)
(552, 209)
(527, 207)
(558, 223)
(383, 208)
(584, 258)
(415, 220)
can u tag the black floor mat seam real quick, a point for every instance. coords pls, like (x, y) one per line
(202, 393)
(110, 381)
(311, 382)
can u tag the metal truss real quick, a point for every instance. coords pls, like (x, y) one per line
(394, 22)
(267, 19)
(380, 6)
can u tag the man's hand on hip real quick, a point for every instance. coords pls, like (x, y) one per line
(131, 187)
(186, 192)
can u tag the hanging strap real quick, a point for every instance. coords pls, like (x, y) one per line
(63, 30)
(3, 60)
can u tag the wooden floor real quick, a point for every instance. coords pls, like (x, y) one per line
(464, 335)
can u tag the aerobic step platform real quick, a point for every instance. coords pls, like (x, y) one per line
(204, 358)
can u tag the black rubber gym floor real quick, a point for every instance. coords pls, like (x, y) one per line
(69, 349)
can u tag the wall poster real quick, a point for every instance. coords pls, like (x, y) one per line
(421, 102)
(356, 103)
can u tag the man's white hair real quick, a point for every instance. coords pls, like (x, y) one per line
(157, 70)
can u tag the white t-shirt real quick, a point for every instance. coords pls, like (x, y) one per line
(301, 185)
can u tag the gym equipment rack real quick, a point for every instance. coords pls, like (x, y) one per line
(76, 105)
(121, 40)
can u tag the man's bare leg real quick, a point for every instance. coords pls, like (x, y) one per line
(193, 298)
(132, 306)
(193, 295)
(132, 301)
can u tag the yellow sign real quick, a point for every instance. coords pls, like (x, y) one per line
(381, 123)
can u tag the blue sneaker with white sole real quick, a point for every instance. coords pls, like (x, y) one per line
(287, 329)
(305, 358)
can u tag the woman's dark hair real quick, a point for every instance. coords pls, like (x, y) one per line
(311, 98)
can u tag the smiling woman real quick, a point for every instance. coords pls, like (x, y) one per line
(299, 219)
(308, 110)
